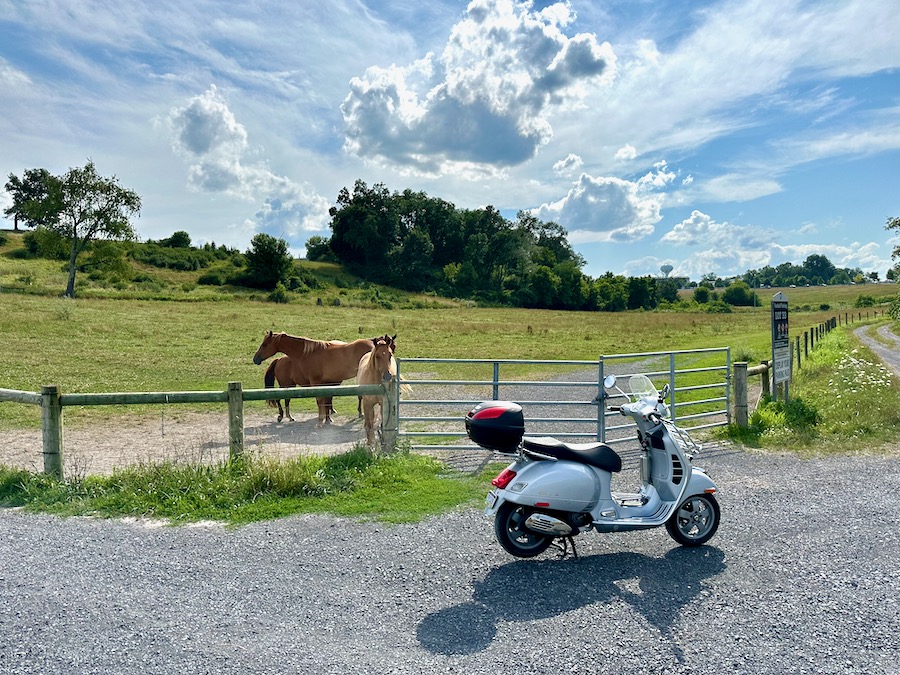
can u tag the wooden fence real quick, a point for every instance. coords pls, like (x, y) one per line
(810, 337)
(52, 402)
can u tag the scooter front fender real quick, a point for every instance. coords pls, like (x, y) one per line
(556, 486)
(699, 483)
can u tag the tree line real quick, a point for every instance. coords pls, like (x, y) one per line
(407, 240)
(425, 244)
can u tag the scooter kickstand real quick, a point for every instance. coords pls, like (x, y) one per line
(564, 547)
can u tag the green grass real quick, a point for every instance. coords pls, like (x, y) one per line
(393, 489)
(113, 340)
(843, 400)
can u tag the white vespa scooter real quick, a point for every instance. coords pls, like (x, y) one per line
(555, 490)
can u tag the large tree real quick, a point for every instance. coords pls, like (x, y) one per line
(29, 198)
(82, 206)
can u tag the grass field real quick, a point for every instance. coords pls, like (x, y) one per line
(105, 344)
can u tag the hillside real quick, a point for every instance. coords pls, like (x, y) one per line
(320, 283)
(316, 283)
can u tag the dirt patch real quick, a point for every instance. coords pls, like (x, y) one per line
(188, 437)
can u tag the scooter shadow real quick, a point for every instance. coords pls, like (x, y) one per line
(658, 588)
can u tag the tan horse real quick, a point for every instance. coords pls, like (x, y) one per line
(315, 362)
(374, 368)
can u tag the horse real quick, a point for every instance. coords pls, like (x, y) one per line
(280, 369)
(376, 367)
(316, 362)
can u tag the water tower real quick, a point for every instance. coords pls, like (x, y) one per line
(666, 270)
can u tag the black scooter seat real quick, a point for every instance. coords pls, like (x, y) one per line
(596, 454)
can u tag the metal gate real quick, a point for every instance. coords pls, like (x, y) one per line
(564, 399)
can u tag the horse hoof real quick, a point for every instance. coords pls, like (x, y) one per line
(278, 421)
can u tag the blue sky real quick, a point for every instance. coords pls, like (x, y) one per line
(716, 137)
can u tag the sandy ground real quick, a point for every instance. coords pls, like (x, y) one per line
(181, 437)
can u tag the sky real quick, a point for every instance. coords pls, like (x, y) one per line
(714, 137)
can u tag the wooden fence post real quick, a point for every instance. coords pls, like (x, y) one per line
(52, 430)
(389, 421)
(740, 393)
(235, 420)
(766, 377)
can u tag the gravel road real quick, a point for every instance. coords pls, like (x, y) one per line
(802, 577)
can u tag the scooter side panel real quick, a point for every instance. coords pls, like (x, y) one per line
(562, 486)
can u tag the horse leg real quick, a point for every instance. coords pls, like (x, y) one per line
(280, 410)
(287, 409)
(320, 407)
(359, 412)
(369, 415)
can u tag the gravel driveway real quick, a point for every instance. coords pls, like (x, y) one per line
(801, 577)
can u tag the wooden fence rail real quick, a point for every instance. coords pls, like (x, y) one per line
(52, 402)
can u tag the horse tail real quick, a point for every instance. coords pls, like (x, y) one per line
(269, 381)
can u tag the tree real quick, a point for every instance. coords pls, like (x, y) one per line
(83, 206)
(740, 295)
(268, 261)
(894, 224)
(30, 198)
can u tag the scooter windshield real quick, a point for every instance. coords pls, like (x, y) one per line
(642, 387)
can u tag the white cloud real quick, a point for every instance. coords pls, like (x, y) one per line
(569, 165)
(485, 101)
(700, 229)
(626, 152)
(604, 210)
(206, 132)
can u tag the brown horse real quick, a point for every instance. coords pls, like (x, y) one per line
(374, 368)
(280, 369)
(315, 362)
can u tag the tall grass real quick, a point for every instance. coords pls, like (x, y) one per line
(842, 400)
(396, 488)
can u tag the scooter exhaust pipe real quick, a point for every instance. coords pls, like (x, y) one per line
(544, 524)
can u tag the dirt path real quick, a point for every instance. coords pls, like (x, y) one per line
(182, 437)
(889, 355)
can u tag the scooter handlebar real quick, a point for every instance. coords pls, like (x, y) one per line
(615, 408)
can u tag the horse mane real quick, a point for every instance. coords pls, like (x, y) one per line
(309, 345)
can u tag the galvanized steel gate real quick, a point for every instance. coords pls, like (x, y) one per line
(565, 399)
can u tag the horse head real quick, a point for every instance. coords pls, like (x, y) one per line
(267, 348)
(383, 356)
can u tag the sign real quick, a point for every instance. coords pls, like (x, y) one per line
(781, 342)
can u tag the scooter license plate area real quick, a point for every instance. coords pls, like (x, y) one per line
(491, 500)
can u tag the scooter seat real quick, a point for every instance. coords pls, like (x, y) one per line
(596, 454)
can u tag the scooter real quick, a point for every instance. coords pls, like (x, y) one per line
(553, 490)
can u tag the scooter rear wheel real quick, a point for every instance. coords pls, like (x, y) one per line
(695, 521)
(518, 540)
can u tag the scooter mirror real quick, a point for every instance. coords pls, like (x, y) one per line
(610, 381)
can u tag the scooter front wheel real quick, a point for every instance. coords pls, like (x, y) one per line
(695, 521)
(518, 540)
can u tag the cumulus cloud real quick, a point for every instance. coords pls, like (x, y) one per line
(604, 209)
(700, 229)
(626, 152)
(569, 165)
(733, 249)
(208, 135)
(484, 102)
